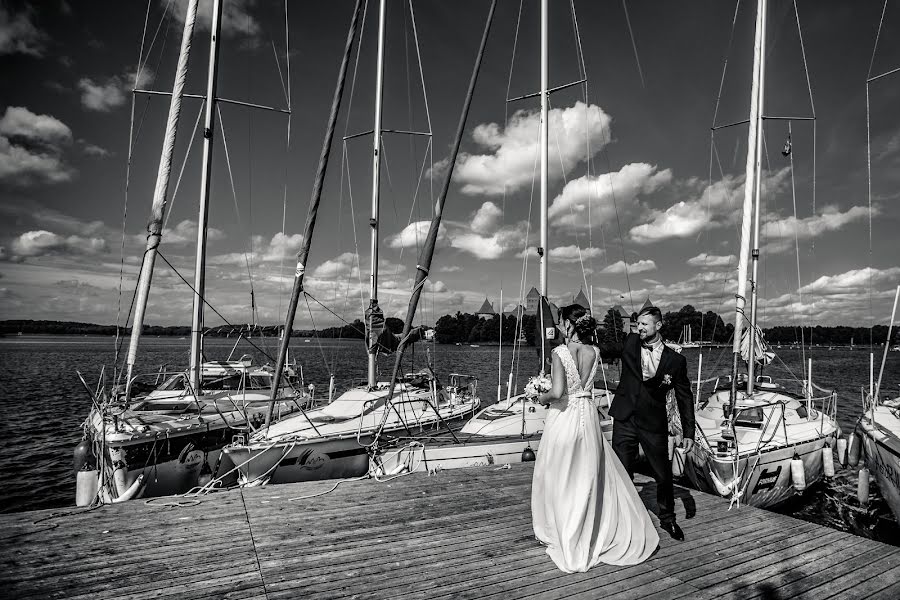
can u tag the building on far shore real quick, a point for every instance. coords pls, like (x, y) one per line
(486, 311)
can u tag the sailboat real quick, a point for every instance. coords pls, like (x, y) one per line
(510, 431)
(149, 438)
(879, 425)
(758, 442)
(332, 441)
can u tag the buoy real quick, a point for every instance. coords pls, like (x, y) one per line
(862, 487)
(828, 460)
(842, 451)
(528, 454)
(798, 473)
(120, 470)
(84, 456)
(86, 484)
(853, 448)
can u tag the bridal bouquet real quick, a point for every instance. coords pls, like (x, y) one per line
(536, 386)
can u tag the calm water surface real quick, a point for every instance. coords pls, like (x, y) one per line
(44, 405)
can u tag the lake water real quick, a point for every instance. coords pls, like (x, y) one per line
(44, 404)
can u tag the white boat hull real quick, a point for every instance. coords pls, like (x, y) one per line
(882, 453)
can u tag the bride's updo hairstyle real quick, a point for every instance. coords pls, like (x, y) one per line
(585, 325)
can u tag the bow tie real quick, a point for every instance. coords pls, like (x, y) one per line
(648, 346)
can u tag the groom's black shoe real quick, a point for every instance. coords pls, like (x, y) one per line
(673, 530)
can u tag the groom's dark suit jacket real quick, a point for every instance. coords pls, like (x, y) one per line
(646, 400)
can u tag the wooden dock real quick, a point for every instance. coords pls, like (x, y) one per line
(454, 534)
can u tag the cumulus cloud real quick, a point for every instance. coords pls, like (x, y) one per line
(719, 204)
(236, 20)
(19, 35)
(567, 254)
(107, 94)
(493, 246)
(186, 233)
(509, 153)
(42, 243)
(641, 266)
(711, 260)
(596, 194)
(94, 150)
(853, 282)
(31, 146)
(486, 218)
(779, 233)
(413, 235)
(344, 265)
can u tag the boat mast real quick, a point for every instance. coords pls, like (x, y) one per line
(200, 268)
(543, 251)
(754, 285)
(154, 227)
(303, 254)
(376, 171)
(752, 167)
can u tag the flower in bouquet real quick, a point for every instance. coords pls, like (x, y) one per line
(536, 386)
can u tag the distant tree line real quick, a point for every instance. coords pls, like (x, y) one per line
(466, 328)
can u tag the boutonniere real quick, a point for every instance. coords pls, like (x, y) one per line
(667, 379)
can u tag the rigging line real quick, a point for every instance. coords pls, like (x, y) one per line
(571, 208)
(877, 37)
(339, 317)
(137, 73)
(287, 52)
(803, 53)
(414, 204)
(163, 19)
(316, 334)
(187, 153)
(737, 5)
(362, 31)
(612, 190)
(797, 252)
(587, 139)
(362, 299)
(869, 200)
(633, 44)
(210, 306)
(280, 74)
(412, 15)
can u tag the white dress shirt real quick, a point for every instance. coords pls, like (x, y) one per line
(650, 357)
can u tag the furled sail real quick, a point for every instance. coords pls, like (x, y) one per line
(762, 352)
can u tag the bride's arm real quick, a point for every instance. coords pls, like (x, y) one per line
(558, 382)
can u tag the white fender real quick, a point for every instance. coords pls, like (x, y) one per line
(678, 460)
(132, 491)
(86, 486)
(828, 461)
(842, 451)
(798, 473)
(862, 487)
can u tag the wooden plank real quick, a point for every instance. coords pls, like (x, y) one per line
(846, 585)
(810, 583)
(782, 573)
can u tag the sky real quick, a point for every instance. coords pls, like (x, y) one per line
(644, 202)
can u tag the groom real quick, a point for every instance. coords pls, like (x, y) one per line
(649, 370)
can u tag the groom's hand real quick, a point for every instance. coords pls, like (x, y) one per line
(687, 444)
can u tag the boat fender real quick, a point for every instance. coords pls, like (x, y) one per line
(132, 490)
(828, 460)
(854, 447)
(528, 455)
(84, 458)
(87, 483)
(120, 470)
(862, 486)
(842, 451)
(798, 473)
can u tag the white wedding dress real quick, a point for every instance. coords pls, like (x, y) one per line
(584, 507)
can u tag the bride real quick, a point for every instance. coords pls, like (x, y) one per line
(584, 507)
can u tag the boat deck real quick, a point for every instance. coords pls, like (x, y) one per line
(454, 534)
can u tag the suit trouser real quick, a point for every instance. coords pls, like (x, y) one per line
(625, 440)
